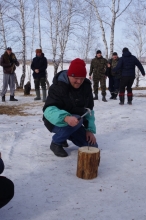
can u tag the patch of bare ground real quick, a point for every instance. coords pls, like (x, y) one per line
(20, 110)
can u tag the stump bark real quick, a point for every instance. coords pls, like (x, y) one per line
(88, 162)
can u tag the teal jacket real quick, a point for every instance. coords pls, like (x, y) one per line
(56, 117)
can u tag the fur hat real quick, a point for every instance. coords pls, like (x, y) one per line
(77, 68)
(125, 49)
(38, 51)
(98, 51)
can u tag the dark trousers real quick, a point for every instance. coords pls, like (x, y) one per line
(114, 84)
(6, 191)
(126, 82)
(102, 81)
(38, 82)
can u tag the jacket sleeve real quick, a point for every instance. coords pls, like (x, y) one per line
(140, 67)
(32, 65)
(91, 68)
(1, 166)
(3, 64)
(91, 122)
(56, 116)
(119, 65)
(44, 66)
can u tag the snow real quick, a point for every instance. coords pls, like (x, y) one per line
(46, 186)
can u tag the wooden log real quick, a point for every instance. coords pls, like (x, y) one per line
(88, 162)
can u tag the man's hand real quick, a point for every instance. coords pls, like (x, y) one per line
(71, 120)
(36, 70)
(90, 137)
(90, 77)
(108, 65)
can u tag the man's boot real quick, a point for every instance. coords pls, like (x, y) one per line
(3, 98)
(122, 97)
(115, 96)
(104, 99)
(129, 97)
(38, 97)
(65, 144)
(95, 97)
(12, 98)
(112, 96)
(58, 150)
(44, 95)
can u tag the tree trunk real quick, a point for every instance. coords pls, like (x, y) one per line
(88, 162)
(3, 28)
(24, 44)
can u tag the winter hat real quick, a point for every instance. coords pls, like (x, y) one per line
(9, 48)
(98, 51)
(115, 54)
(125, 49)
(77, 68)
(38, 51)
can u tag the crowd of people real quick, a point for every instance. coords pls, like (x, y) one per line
(69, 107)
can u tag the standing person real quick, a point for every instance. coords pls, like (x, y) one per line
(39, 66)
(6, 187)
(9, 63)
(69, 96)
(98, 68)
(114, 77)
(127, 64)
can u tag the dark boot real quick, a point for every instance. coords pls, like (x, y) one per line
(65, 144)
(122, 97)
(112, 96)
(3, 98)
(104, 99)
(44, 95)
(96, 97)
(12, 98)
(38, 97)
(129, 97)
(115, 96)
(58, 150)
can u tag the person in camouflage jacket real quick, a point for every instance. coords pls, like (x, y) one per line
(98, 68)
(114, 77)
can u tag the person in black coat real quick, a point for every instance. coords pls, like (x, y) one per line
(6, 187)
(114, 77)
(127, 64)
(39, 66)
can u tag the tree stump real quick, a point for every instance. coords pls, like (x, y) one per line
(88, 162)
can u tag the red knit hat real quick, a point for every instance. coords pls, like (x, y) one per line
(77, 68)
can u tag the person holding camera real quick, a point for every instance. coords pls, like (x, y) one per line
(6, 187)
(9, 63)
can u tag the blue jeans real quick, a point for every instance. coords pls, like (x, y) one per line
(75, 134)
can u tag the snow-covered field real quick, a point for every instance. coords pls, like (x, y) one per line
(50, 70)
(46, 187)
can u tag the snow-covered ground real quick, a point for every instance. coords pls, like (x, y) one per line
(46, 186)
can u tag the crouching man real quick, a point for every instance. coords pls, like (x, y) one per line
(69, 96)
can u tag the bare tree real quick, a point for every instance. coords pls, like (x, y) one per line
(2, 30)
(114, 10)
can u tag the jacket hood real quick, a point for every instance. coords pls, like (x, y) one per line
(126, 54)
(61, 76)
